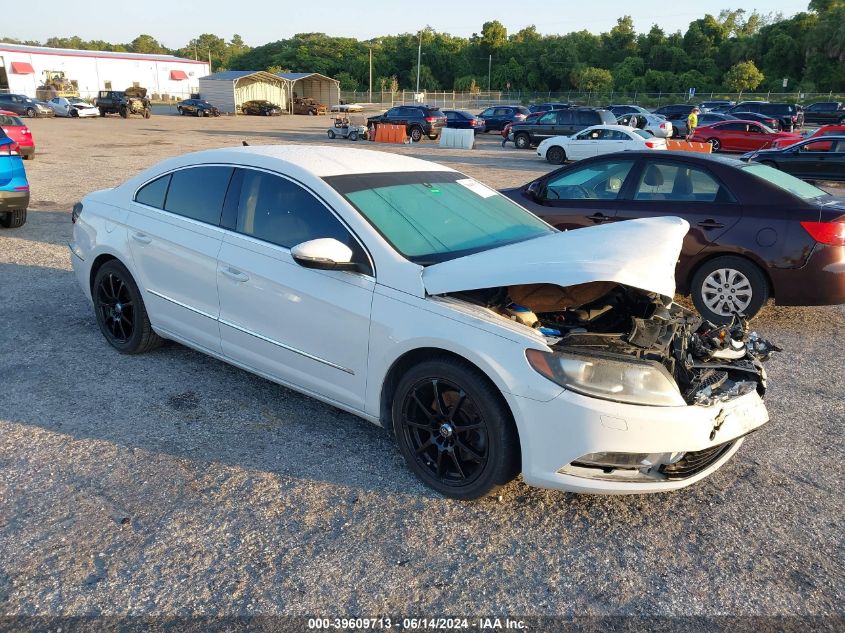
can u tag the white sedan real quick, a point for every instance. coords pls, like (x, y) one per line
(410, 295)
(654, 123)
(596, 140)
(72, 107)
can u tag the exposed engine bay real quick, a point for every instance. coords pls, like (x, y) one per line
(709, 362)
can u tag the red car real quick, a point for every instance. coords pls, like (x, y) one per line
(825, 130)
(741, 136)
(16, 130)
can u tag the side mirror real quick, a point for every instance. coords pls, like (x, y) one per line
(325, 253)
(533, 190)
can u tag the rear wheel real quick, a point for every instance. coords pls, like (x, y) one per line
(522, 141)
(124, 113)
(416, 134)
(727, 285)
(715, 144)
(556, 155)
(120, 310)
(13, 219)
(30, 112)
(454, 430)
(200, 112)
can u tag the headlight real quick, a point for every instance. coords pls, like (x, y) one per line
(633, 381)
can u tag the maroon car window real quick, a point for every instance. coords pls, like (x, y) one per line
(600, 181)
(676, 182)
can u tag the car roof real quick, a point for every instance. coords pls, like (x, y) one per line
(318, 160)
(685, 156)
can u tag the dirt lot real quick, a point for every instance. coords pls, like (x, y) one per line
(173, 484)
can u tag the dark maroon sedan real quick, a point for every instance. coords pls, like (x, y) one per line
(755, 232)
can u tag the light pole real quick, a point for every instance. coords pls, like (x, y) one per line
(489, 68)
(419, 59)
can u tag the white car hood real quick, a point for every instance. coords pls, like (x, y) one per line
(637, 253)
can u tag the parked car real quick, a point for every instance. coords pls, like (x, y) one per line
(497, 117)
(717, 105)
(133, 100)
(595, 141)
(789, 115)
(825, 130)
(391, 286)
(558, 123)
(765, 119)
(709, 118)
(260, 107)
(654, 123)
(419, 121)
(812, 159)
(545, 107)
(463, 120)
(677, 115)
(197, 107)
(72, 107)
(825, 112)
(529, 119)
(14, 187)
(741, 136)
(620, 110)
(19, 132)
(23, 106)
(755, 232)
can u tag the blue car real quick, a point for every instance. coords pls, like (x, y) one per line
(14, 187)
(463, 120)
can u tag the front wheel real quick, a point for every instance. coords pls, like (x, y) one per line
(74, 113)
(416, 134)
(353, 136)
(331, 133)
(728, 285)
(30, 112)
(102, 112)
(120, 310)
(200, 112)
(454, 429)
(556, 155)
(124, 113)
(715, 144)
(522, 141)
(13, 219)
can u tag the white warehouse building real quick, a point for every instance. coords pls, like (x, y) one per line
(24, 68)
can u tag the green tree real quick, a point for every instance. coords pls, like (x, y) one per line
(146, 44)
(592, 79)
(743, 76)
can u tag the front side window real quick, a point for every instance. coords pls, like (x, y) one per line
(430, 217)
(596, 181)
(198, 192)
(679, 183)
(550, 118)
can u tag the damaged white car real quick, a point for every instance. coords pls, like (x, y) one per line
(410, 295)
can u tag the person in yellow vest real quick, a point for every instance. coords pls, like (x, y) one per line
(692, 122)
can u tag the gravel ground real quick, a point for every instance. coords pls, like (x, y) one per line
(172, 484)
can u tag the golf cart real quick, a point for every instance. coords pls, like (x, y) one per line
(344, 128)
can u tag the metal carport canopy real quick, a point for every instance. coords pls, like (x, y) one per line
(330, 95)
(224, 89)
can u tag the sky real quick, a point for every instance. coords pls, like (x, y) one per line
(175, 22)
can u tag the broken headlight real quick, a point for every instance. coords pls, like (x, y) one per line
(632, 381)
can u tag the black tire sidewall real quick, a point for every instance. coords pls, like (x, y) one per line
(715, 144)
(759, 286)
(135, 341)
(522, 141)
(554, 154)
(502, 459)
(416, 134)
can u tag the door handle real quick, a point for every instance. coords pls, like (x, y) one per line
(598, 217)
(143, 238)
(234, 274)
(711, 224)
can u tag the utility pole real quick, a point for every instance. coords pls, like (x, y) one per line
(370, 99)
(209, 60)
(489, 68)
(419, 59)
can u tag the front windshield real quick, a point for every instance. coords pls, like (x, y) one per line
(786, 182)
(431, 217)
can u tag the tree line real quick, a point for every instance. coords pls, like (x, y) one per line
(733, 51)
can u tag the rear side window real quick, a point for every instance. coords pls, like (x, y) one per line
(565, 117)
(678, 183)
(6, 119)
(198, 192)
(606, 117)
(153, 193)
(588, 117)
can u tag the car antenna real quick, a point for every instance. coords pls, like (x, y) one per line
(245, 143)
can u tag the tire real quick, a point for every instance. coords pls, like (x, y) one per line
(353, 136)
(555, 155)
(675, 132)
(747, 293)
(416, 134)
(180, 111)
(841, 121)
(522, 141)
(13, 219)
(715, 144)
(28, 157)
(331, 134)
(102, 112)
(124, 113)
(74, 113)
(463, 459)
(147, 113)
(31, 113)
(127, 330)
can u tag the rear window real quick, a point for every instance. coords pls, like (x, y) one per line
(606, 117)
(785, 181)
(522, 110)
(6, 119)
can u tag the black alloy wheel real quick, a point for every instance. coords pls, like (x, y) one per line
(715, 144)
(416, 134)
(453, 430)
(555, 155)
(30, 112)
(120, 310)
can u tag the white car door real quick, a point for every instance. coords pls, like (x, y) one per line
(305, 327)
(174, 238)
(582, 145)
(611, 141)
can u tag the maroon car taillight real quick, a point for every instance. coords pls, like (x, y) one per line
(830, 233)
